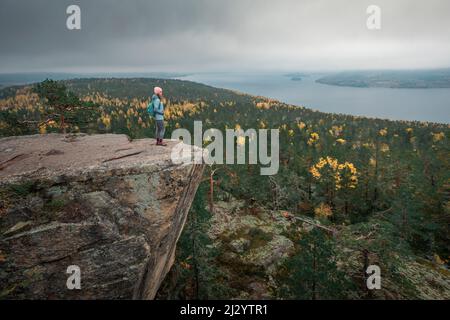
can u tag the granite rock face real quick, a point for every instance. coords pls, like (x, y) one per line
(112, 207)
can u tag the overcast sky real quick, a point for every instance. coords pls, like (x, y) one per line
(212, 35)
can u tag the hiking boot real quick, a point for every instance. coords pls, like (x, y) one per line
(161, 143)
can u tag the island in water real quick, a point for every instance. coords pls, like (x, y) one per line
(416, 79)
(297, 76)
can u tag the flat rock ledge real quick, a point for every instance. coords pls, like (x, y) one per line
(112, 207)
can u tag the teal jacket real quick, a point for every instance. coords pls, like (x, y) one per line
(158, 107)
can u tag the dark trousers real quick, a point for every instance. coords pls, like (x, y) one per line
(160, 129)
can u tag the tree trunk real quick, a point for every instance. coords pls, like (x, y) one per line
(309, 190)
(405, 223)
(375, 191)
(314, 295)
(63, 124)
(211, 192)
(194, 257)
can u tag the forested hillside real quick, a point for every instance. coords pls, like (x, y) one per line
(350, 192)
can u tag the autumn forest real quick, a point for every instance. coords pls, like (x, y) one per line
(350, 192)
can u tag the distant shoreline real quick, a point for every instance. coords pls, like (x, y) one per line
(423, 79)
(22, 78)
(379, 87)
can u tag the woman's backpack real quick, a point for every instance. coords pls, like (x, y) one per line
(151, 109)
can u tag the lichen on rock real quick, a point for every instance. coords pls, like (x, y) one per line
(252, 246)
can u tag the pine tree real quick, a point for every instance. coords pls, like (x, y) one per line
(63, 105)
(313, 273)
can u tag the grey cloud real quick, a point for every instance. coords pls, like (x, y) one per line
(189, 35)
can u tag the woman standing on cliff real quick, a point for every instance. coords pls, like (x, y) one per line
(158, 112)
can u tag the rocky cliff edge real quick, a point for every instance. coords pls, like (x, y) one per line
(111, 207)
